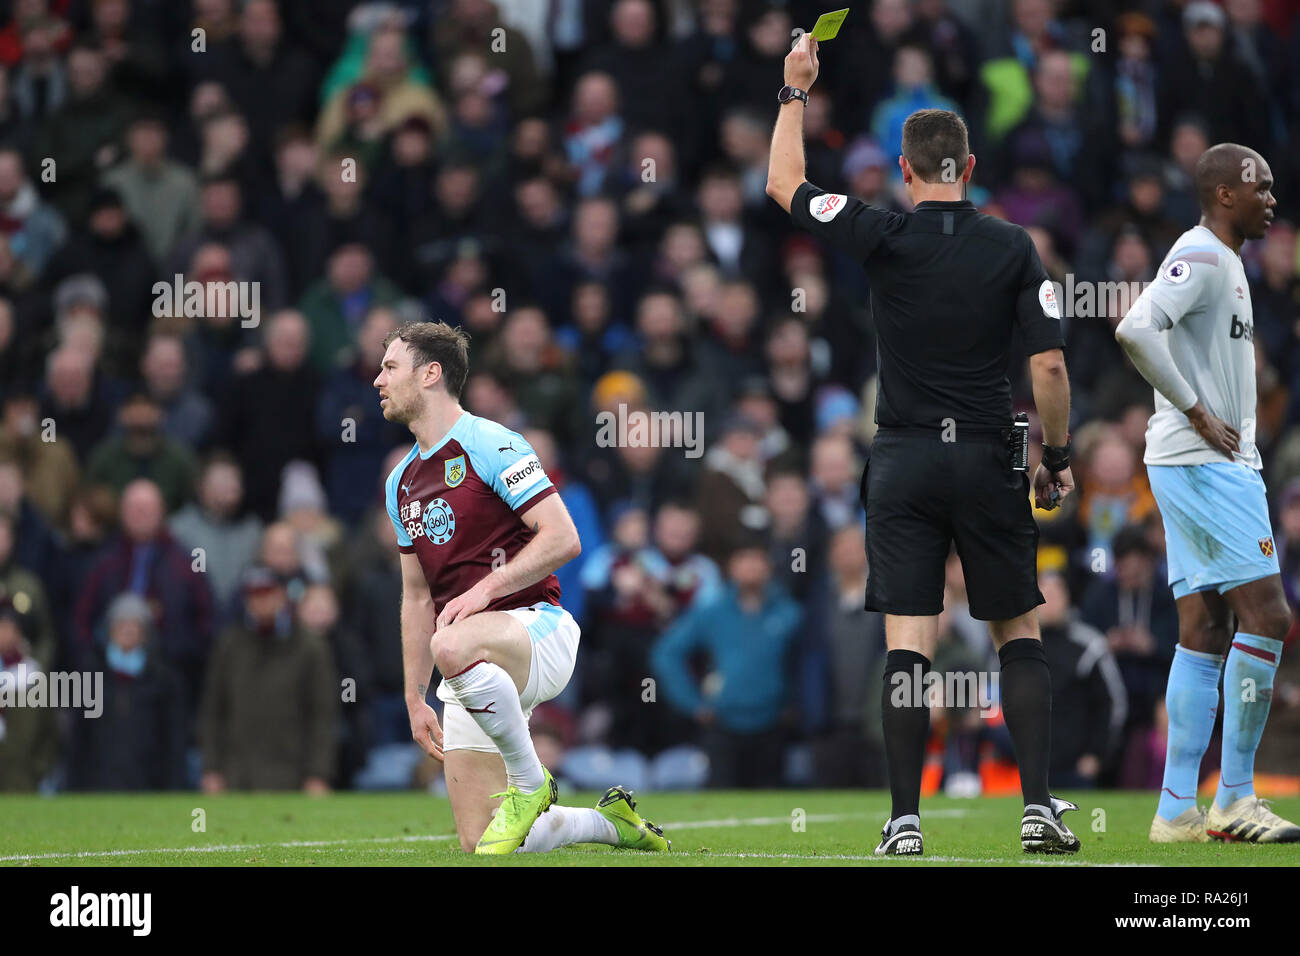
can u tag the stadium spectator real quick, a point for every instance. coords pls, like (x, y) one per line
(593, 131)
(628, 604)
(1089, 703)
(665, 357)
(318, 615)
(400, 91)
(33, 228)
(264, 441)
(265, 74)
(836, 476)
(478, 24)
(304, 508)
(729, 494)
(538, 374)
(145, 560)
(50, 467)
(844, 755)
(255, 254)
(217, 524)
(271, 701)
(336, 306)
(29, 743)
(1135, 611)
(1207, 76)
(643, 68)
(746, 634)
(161, 195)
(188, 415)
(582, 507)
(138, 742)
(21, 588)
(354, 436)
(143, 449)
(111, 249)
(283, 554)
(84, 132)
(372, 605)
(37, 545)
(41, 78)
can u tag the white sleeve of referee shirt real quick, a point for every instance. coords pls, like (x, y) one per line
(1143, 333)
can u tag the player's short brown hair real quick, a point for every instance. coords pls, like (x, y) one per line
(936, 145)
(437, 342)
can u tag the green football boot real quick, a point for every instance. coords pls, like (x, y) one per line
(518, 812)
(634, 833)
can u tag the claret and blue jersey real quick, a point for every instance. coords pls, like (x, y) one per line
(457, 507)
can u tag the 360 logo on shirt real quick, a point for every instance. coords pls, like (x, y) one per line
(439, 521)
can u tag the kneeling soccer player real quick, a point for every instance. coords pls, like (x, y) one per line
(481, 530)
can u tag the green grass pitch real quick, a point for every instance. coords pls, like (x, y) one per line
(769, 828)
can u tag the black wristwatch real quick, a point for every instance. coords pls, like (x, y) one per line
(1056, 458)
(789, 93)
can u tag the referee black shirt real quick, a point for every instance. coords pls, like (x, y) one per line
(949, 288)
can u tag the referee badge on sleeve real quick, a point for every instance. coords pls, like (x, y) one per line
(826, 207)
(1047, 299)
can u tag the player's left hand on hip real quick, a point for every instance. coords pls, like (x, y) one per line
(801, 64)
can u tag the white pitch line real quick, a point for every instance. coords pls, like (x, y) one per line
(297, 844)
(923, 859)
(222, 848)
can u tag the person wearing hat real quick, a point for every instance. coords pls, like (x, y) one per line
(1205, 76)
(28, 737)
(138, 740)
(269, 716)
(729, 494)
(112, 250)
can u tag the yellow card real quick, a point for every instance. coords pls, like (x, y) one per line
(828, 24)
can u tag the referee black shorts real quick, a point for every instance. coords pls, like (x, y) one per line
(921, 495)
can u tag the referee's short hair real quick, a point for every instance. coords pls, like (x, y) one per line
(930, 139)
(437, 342)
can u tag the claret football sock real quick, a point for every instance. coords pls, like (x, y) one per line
(489, 695)
(1247, 694)
(1192, 700)
(905, 715)
(1027, 709)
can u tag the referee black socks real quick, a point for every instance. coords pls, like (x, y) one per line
(1027, 708)
(905, 714)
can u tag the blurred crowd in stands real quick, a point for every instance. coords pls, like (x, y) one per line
(191, 501)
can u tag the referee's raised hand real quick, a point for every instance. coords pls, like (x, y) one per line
(801, 64)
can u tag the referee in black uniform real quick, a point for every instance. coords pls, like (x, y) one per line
(950, 287)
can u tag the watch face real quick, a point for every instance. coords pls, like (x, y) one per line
(785, 93)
